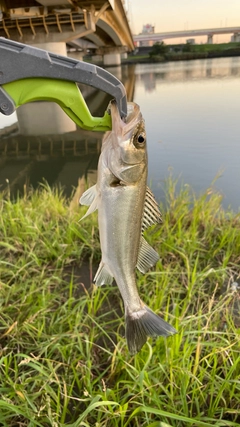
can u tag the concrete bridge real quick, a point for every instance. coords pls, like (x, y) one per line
(53, 24)
(209, 32)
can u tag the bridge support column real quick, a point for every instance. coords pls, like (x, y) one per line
(112, 59)
(43, 118)
(210, 39)
(236, 37)
(111, 55)
(59, 48)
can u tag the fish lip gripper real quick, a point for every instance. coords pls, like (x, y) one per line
(19, 61)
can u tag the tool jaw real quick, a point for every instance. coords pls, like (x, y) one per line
(21, 64)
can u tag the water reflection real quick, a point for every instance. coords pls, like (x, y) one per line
(194, 112)
(191, 107)
(178, 71)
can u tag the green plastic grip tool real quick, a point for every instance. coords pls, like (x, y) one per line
(64, 93)
(29, 74)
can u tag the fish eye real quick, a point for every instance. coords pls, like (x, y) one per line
(141, 139)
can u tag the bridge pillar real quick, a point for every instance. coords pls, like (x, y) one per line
(236, 37)
(210, 39)
(59, 48)
(112, 59)
(43, 118)
(111, 55)
(76, 55)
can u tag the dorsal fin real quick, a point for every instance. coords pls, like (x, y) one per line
(151, 212)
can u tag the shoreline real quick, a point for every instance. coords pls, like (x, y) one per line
(169, 53)
(185, 56)
(182, 57)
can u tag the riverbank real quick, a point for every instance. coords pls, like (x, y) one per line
(184, 52)
(64, 360)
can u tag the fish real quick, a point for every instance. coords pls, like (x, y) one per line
(126, 208)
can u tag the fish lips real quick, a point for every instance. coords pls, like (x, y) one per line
(123, 134)
(123, 127)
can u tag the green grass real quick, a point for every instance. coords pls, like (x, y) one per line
(216, 47)
(194, 51)
(63, 355)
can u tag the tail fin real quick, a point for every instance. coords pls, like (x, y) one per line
(143, 323)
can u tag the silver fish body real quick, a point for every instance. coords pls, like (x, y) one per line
(126, 207)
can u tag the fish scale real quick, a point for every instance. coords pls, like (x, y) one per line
(124, 212)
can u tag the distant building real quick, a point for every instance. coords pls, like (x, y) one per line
(190, 41)
(147, 29)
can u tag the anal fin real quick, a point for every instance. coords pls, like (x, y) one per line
(147, 256)
(103, 276)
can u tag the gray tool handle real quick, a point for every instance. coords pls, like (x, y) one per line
(20, 61)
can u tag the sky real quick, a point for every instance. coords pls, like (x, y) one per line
(173, 15)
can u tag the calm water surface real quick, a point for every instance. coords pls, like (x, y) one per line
(191, 110)
(192, 117)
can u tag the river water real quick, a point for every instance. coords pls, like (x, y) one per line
(191, 110)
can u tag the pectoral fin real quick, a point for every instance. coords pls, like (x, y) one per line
(89, 198)
(147, 256)
(103, 276)
(151, 212)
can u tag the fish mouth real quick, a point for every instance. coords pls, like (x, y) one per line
(134, 115)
